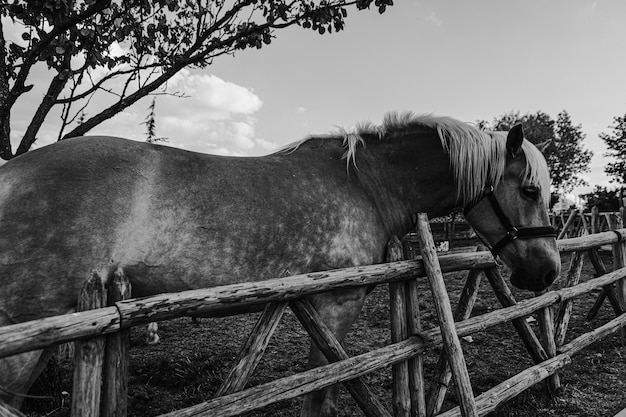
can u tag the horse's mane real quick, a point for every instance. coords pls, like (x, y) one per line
(477, 158)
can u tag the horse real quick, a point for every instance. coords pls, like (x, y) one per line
(176, 220)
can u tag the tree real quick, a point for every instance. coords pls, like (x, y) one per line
(569, 157)
(565, 154)
(605, 199)
(616, 142)
(131, 48)
(150, 123)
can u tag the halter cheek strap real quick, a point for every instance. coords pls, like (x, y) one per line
(512, 232)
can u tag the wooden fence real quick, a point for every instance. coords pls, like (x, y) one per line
(576, 223)
(102, 339)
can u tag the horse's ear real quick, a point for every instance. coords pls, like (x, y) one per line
(543, 145)
(514, 140)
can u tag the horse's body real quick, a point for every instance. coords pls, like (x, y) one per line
(176, 220)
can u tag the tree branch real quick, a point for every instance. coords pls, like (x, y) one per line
(5, 109)
(56, 87)
(33, 54)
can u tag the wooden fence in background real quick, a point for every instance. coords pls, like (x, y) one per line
(101, 332)
(576, 223)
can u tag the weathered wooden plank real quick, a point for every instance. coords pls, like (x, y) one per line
(116, 360)
(254, 348)
(588, 241)
(619, 261)
(585, 287)
(568, 224)
(42, 333)
(546, 330)
(443, 374)
(607, 291)
(595, 227)
(416, 364)
(588, 338)
(221, 299)
(38, 334)
(88, 355)
(503, 392)
(334, 352)
(400, 393)
(565, 308)
(446, 320)
(504, 295)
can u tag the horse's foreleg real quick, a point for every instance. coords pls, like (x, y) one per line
(338, 310)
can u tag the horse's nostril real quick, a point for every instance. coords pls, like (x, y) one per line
(549, 277)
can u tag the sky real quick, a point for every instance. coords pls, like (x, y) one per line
(471, 60)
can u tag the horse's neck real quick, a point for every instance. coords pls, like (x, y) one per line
(405, 177)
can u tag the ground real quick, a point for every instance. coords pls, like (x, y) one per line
(192, 359)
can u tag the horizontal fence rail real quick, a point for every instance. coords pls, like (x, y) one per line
(42, 333)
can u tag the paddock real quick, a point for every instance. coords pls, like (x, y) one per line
(279, 293)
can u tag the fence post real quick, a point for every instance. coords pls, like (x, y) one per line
(332, 349)
(607, 291)
(595, 212)
(568, 224)
(565, 308)
(416, 364)
(504, 295)
(253, 349)
(401, 395)
(446, 320)
(115, 373)
(89, 355)
(619, 261)
(546, 332)
(443, 374)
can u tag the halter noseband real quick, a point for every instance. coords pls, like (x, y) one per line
(512, 232)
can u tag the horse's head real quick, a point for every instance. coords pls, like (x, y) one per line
(511, 216)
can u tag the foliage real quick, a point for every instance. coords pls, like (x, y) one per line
(605, 199)
(129, 49)
(150, 123)
(616, 143)
(565, 154)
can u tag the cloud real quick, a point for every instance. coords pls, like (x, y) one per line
(220, 99)
(214, 116)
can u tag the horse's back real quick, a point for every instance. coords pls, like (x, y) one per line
(173, 219)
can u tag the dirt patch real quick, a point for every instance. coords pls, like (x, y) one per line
(192, 360)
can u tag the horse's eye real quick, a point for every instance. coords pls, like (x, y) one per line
(530, 192)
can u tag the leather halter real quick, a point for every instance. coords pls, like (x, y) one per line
(512, 232)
